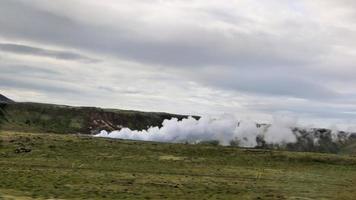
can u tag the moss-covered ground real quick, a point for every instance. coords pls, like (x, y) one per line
(53, 166)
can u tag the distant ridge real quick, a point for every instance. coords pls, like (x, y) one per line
(51, 118)
(61, 119)
(4, 99)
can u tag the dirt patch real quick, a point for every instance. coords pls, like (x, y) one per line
(170, 157)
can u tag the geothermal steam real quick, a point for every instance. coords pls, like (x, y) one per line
(225, 130)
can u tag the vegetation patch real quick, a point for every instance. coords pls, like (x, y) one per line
(81, 167)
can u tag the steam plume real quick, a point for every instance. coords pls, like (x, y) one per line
(225, 130)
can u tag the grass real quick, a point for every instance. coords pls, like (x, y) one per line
(53, 166)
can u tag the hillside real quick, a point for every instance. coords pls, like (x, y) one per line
(4, 99)
(319, 140)
(53, 166)
(349, 149)
(36, 117)
(49, 118)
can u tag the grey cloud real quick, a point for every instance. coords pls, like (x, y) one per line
(37, 85)
(316, 110)
(194, 47)
(276, 85)
(27, 71)
(29, 50)
(272, 56)
(271, 81)
(120, 91)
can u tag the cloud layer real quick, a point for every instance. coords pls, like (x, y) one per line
(254, 58)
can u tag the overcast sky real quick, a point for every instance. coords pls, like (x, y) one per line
(251, 58)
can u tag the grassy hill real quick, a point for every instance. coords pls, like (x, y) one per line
(49, 118)
(54, 166)
(37, 164)
(36, 117)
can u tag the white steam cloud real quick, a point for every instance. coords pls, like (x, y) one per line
(224, 129)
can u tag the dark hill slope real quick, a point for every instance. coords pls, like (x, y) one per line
(36, 117)
(4, 99)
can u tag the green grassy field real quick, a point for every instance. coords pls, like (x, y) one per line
(50, 166)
